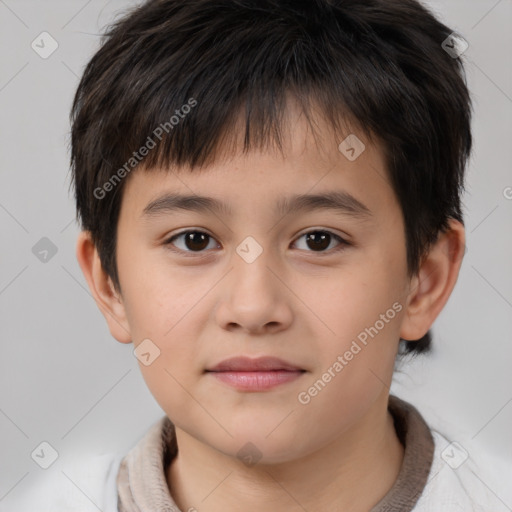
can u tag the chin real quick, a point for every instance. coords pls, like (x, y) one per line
(254, 446)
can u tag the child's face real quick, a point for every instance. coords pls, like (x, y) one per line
(301, 301)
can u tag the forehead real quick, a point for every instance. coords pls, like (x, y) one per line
(312, 169)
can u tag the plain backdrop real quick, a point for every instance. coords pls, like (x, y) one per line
(66, 381)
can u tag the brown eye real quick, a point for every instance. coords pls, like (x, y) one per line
(192, 241)
(319, 241)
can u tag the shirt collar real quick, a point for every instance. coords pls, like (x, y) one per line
(142, 483)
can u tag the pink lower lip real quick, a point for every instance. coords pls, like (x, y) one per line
(256, 381)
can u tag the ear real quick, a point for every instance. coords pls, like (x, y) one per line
(433, 285)
(102, 288)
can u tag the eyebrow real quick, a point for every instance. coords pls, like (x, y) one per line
(336, 201)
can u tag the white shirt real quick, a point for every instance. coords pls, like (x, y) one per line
(455, 483)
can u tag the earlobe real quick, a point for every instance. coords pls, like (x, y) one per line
(432, 287)
(102, 289)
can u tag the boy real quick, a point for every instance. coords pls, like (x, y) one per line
(315, 153)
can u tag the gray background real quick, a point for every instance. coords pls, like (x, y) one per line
(66, 381)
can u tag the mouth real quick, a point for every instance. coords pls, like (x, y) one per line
(263, 373)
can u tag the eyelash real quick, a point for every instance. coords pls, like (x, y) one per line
(342, 242)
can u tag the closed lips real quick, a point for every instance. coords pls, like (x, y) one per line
(261, 364)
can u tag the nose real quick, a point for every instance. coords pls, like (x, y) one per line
(254, 297)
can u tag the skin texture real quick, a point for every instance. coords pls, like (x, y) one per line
(339, 451)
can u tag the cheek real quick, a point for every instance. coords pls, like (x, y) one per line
(357, 360)
(361, 323)
(167, 315)
(354, 302)
(171, 325)
(157, 296)
(161, 307)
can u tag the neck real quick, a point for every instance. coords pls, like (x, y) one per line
(354, 472)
